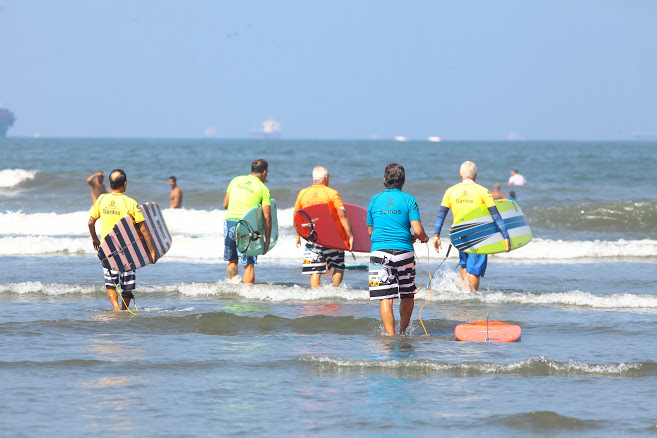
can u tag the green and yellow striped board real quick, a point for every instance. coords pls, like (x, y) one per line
(476, 232)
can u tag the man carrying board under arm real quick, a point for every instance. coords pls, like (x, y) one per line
(243, 193)
(316, 257)
(462, 198)
(110, 208)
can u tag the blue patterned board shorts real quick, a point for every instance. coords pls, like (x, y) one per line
(230, 246)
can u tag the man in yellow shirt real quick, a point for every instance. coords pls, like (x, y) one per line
(316, 257)
(110, 208)
(243, 193)
(462, 198)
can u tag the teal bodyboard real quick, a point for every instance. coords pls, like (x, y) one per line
(250, 231)
(477, 233)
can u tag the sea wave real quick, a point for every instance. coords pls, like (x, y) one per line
(182, 222)
(546, 423)
(346, 292)
(536, 366)
(559, 250)
(208, 248)
(13, 177)
(570, 299)
(606, 217)
(198, 237)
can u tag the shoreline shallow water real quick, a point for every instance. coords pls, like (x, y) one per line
(204, 356)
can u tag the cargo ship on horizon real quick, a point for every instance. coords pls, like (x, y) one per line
(7, 119)
(271, 129)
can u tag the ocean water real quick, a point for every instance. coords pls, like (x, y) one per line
(205, 357)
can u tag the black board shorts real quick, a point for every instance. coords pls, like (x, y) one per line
(126, 280)
(318, 259)
(392, 274)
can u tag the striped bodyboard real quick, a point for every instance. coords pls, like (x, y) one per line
(124, 249)
(477, 233)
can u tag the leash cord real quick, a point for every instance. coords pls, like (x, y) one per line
(253, 235)
(441, 263)
(430, 289)
(116, 286)
(431, 282)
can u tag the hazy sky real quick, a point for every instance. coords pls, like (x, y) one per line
(554, 69)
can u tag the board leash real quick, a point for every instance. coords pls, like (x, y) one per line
(312, 236)
(449, 248)
(431, 281)
(430, 289)
(253, 234)
(116, 288)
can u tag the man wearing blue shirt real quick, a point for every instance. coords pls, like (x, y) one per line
(390, 217)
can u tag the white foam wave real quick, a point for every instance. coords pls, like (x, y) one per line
(208, 248)
(283, 293)
(198, 237)
(47, 246)
(267, 292)
(535, 366)
(44, 224)
(572, 298)
(13, 177)
(546, 249)
(180, 222)
(275, 293)
(32, 287)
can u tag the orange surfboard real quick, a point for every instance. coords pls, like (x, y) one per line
(319, 224)
(487, 331)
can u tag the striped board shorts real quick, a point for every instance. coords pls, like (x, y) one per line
(124, 279)
(392, 274)
(317, 259)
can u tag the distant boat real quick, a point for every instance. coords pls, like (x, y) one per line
(271, 130)
(434, 139)
(645, 135)
(7, 119)
(400, 138)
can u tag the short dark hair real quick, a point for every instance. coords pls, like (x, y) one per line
(259, 165)
(117, 183)
(394, 176)
(173, 178)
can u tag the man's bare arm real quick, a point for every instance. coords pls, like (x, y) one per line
(266, 211)
(418, 229)
(346, 224)
(93, 181)
(92, 231)
(226, 200)
(149, 240)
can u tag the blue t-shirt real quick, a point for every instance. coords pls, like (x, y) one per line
(390, 214)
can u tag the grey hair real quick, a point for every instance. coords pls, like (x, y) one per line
(319, 173)
(468, 170)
